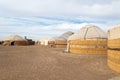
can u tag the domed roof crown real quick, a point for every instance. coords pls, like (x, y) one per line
(89, 32)
(64, 36)
(15, 38)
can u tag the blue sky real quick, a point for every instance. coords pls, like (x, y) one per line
(47, 18)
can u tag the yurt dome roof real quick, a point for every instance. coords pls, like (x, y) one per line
(64, 36)
(15, 38)
(115, 27)
(43, 39)
(113, 33)
(89, 32)
(56, 38)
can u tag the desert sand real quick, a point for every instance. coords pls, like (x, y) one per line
(40, 63)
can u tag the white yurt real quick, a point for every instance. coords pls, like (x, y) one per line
(114, 48)
(60, 41)
(90, 39)
(15, 40)
(43, 41)
(57, 42)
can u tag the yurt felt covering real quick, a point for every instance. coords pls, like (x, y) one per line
(60, 41)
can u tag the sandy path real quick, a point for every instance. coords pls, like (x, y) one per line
(39, 63)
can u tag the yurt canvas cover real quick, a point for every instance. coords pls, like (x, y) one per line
(60, 41)
(89, 39)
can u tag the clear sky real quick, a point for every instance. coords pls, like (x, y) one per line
(47, 18)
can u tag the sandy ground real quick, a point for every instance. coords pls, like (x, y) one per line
(40, 63)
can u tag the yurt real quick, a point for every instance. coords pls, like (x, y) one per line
(114, 48)
(57, 42)
(90, 39)
(60, 41)
(43, 41)
(15, 40)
